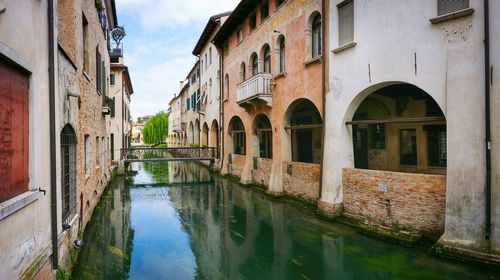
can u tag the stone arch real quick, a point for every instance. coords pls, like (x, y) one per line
(214, 135)
(262, 137)
(304, 129)
(204, 135)
(236, 137)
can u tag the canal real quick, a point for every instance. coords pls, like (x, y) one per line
(177, 220)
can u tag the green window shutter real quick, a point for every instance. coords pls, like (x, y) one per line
(112, 105)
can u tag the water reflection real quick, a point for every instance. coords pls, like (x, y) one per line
(179, 221)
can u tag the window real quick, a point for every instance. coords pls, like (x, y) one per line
(112, 79)
(377, 136)
(252, 22)
(112, 107)
(103, 154)
(264, 132)
(264, 10)
(193, 79)
(188, 104)
(226, 86)
(242, 72)
(436, 145)
(279, 2)
(237, 131)
(87, 154)
(100, 73)
(316, 36)
(346, 23)
(282, 54)
(85, 25)
(68, 173)
(14, 131)
(255, 65)
(210, 55)
(450, 6)
(408, 147)
(239, 35)
(202, 66)
(112, 144)
(97, 151)
(267, 60)
(206, 61)
(305, 125)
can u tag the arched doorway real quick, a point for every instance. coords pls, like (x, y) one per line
(204, 135)
(197, 132)
(263, 136)
(214, 136)
(190, 133)
(305, 127)
(399, 128)
(68, 173)
(236, 136)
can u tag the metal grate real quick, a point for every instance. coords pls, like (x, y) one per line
(450, 6)
(68, 173)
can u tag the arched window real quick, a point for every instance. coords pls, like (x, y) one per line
(226, 86)
(306, 128)
(242, 72)
(267, 60)
(255, 64)
(264, 132)
(68, 173)
(282, 54)
(237, 133)
(316, 36)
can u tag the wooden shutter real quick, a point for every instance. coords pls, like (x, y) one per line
(346, 23)
(14, 131)
(113, 108)
(449, 6)
(97, 70)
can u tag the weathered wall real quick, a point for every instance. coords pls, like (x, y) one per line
(237, 164)
(301, 80)
(262, 173)
(25, 234)
(448, 66)
(303, 182)
(412, 202)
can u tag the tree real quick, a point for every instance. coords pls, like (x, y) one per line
(156, 128)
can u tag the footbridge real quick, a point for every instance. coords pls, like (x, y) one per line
(168, 154)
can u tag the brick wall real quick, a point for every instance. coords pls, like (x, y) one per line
(45, 272)
(262, 174)
(236, 168)
(412, 201)
(303, 182)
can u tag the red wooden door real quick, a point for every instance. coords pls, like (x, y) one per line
(14, 129)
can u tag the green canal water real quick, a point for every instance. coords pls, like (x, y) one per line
(176, 220)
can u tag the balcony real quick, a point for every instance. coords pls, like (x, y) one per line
(255, 90)
(176, 128)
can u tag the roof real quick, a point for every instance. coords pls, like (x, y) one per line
(195, 66)
(240, 13)
(211, 26)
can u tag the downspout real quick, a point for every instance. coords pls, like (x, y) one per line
(323, 92)
(487, 116)
(123, 111)
(52, 129)
(221, 109)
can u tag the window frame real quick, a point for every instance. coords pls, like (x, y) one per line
(341, 10)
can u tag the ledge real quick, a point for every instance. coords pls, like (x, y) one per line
(313, 60)
(454, 15)
(344, 47)
(279, 75)
(18, 202)
(87, 76)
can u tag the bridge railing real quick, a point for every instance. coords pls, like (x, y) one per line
(168, 154)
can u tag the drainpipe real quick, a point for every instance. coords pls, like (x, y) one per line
(123, 111)
(487, 116)
(52, 129)
(221, 109)
(323, 92)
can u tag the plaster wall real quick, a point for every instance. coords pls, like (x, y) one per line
(302, 79)
(122, 105)
(25, 234)
(448, 66)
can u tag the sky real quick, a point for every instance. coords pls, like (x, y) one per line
(161, 35)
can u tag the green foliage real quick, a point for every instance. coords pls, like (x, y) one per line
(156, 129)
(62, 274)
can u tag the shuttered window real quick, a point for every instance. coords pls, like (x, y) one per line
(68, 173)
(346, 23)
(450, 6)
(14, 131)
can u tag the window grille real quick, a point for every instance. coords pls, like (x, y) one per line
(450, 6)
(68, 173)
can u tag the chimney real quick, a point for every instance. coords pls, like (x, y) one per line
(181, 84)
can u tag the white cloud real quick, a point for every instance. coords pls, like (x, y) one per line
(154, 14)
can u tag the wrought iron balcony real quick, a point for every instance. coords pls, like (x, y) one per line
(255, 90)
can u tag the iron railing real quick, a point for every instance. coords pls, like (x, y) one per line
(168, 154)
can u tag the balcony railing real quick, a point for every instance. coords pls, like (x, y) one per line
(255, 89)
(176, 127)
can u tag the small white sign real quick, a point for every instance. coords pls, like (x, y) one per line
(382, 187)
